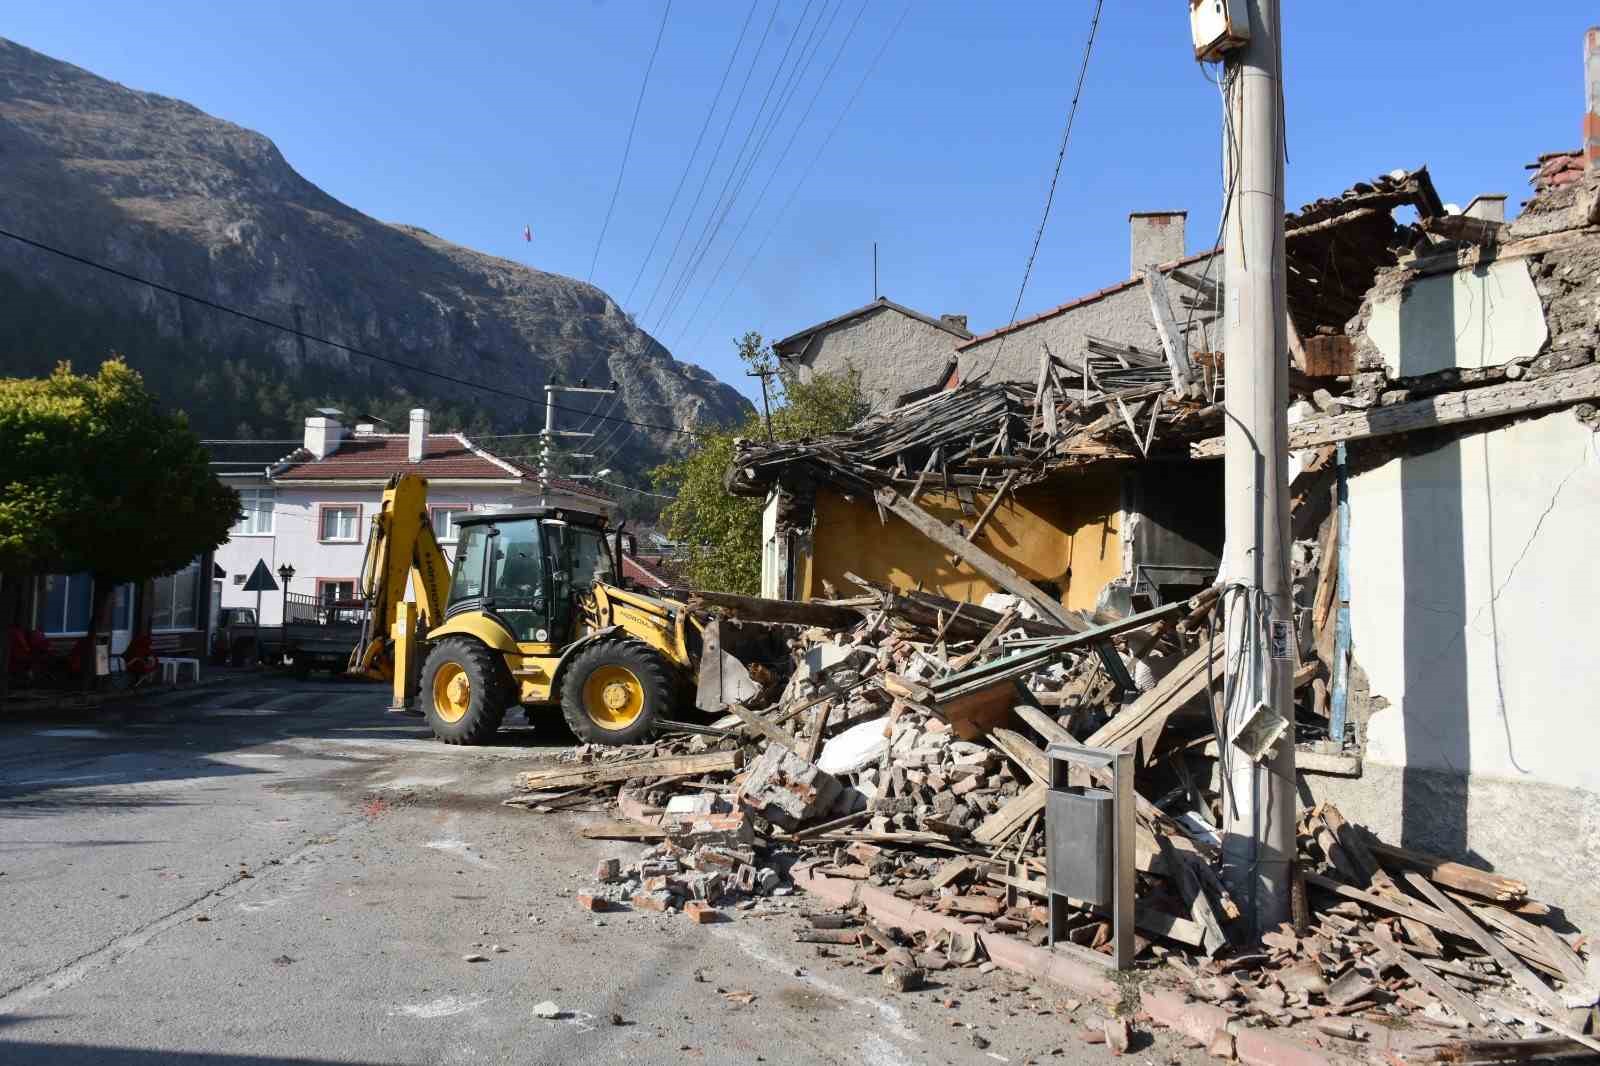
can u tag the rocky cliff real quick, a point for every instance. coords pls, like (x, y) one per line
(158, 188)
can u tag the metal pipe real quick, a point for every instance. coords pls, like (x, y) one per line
(1259, 837)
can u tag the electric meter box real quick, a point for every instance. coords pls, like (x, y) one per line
(1218, 27)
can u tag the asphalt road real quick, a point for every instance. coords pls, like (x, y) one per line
(271, 872)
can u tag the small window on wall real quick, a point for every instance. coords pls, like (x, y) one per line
(329, 592)
(65, 601)
(256, 517)
(340, 523)
(444, 523)
(175, 599)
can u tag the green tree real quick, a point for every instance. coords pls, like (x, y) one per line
(97, 477)
(721, 532)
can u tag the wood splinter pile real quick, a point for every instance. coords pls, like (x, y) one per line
(908, 752)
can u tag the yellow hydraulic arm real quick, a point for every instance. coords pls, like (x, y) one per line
(400, 545)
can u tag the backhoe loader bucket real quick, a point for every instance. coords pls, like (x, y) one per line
(737, 665)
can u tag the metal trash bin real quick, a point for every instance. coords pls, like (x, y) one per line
(1078, 825)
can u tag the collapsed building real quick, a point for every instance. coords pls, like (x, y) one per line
(1443, 474)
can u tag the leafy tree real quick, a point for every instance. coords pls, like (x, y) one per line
(722, 532)
(99, 478)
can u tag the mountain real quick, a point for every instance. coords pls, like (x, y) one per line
(160, 189)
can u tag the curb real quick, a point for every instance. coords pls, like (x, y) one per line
(1197, 1021)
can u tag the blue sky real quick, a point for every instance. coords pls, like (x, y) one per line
(474, 119)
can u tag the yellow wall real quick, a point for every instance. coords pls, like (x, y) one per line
(1063, 531)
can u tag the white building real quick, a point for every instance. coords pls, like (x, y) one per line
(311, 509)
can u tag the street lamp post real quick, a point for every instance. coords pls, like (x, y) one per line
(286, 572)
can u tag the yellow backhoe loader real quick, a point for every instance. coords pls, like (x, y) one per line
(535, 613)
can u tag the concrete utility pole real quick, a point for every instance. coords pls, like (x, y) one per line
(547, 438)
(1259, 830)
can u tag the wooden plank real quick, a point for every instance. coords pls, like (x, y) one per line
(1172, 340)
(1147, 715)
(1025, 755)
(1445, 409)
(818, 734)
(710, 762)
(1528, 1017)
(951, 871)
(994, 503)
(1194, 897)
(619, 830)
(764, 727)
(1396, 955)
(1488, 941)
(760, 609)
(979, 560)
(1012, 815)
(1484, 884)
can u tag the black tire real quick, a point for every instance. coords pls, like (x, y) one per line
(301, 668)
(488, 695)
(648, 668)
(241, 652)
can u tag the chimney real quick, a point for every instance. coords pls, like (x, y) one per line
(1155, 237)
(1591, 88)
(417, 439)
(1491, 207)
(323, 433)
(958, 321)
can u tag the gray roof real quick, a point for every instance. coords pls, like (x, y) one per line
(880, 303)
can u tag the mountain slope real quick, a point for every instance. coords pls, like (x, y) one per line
(157, 187)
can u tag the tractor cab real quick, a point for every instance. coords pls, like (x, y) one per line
(530, 570)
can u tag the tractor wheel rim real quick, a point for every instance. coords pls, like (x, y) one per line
(613, 697)
(452, 692)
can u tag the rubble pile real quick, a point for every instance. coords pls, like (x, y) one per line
(909, 752)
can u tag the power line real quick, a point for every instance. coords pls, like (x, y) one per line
(628, 144)
(1072, 114)
(815, 159)
(777, 168)
(689, 166)
(697, 253)
(742, 169)
(716, 154)
(351, 349)
(797, 75)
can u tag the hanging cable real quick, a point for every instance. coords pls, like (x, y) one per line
(338, 345)
(627, 145)
(1061, 155)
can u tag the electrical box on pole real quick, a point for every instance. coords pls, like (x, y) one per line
(1218, 27)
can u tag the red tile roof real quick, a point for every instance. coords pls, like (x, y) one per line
(1098, 294)
(378, 456)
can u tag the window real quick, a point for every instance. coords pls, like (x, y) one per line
(444, 523)
(332, 590)
(257, 517)
(175, 599)
(516, 578)
(65, 602)
(339, 522)
(466, 580)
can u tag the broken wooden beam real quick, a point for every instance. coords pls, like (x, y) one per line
(1445, 409)
(710, 762)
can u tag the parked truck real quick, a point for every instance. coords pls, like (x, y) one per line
(318, 634)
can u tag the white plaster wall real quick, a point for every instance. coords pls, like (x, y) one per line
(1473, 604)
(895, 354)
(1470, 318)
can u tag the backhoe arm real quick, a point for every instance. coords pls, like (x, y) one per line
(400, 545)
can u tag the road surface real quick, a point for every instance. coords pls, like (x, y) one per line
(264, 871)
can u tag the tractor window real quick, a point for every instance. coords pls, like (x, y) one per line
(466, 583)
(591, 558)
(517, 579)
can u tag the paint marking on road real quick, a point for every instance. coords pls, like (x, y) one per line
(76, 734)
(443, 1007)
(462, 849)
